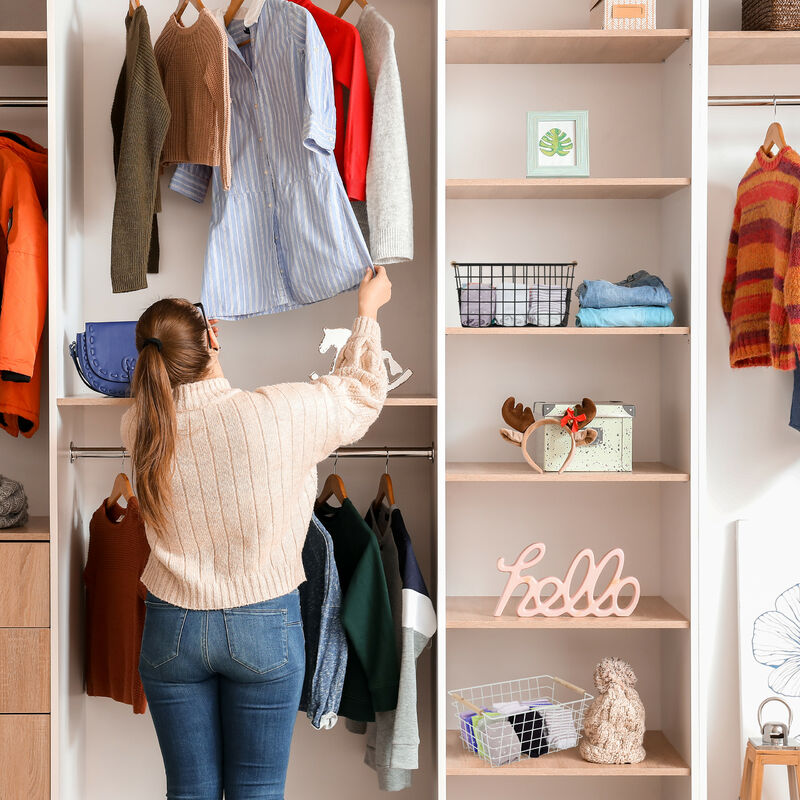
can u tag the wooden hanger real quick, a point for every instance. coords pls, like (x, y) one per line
(182, 7)
(774, 137)
(233, 7)
(385, 488)
(333, 487)
(121, 488)
(345, 4)
(132, 6)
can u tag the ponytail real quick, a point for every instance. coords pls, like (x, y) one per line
(172, 344)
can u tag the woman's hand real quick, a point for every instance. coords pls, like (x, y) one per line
(375, 291)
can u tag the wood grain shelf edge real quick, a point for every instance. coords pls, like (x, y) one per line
(513, 472)
(662, 760)
(477, 613)
(88, 401)
(37, 529)
(568, 331)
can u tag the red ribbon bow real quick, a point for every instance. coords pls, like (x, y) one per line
(570, 420)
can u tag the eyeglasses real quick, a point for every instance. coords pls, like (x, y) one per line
(208, 327)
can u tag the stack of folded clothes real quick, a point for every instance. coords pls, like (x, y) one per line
(640, 301)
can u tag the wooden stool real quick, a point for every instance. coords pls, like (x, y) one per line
(756, 759)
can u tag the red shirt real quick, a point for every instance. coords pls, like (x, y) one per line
(349, 72)
(115, 609)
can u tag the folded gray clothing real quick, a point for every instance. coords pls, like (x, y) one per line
(13, 503)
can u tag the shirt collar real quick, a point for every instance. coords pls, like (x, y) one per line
(236, 29)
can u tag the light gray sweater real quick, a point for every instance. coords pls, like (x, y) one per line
(389, 209)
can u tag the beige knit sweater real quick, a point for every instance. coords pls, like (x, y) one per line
(193, 62)
(245, 477)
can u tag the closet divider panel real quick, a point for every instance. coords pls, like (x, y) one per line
(111, 751)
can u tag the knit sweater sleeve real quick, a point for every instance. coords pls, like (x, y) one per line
(729, 281)
(336, 409)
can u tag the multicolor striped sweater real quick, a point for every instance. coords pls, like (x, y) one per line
(761, 289)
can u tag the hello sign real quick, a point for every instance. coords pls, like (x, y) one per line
(553, 597)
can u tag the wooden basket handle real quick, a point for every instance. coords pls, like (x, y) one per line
(465, 702)
(569, 685)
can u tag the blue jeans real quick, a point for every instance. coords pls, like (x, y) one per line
(224, 689)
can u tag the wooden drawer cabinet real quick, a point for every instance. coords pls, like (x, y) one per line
(24, 671)
(24, 757)
(24, 584)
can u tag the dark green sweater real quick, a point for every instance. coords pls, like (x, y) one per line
(373, 671)
(140, 119)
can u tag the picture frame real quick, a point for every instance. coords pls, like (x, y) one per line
(558, 144)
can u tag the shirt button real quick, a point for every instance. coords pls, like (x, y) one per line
(266, 172)
(260, 138)
(269, 205)
(255, 105)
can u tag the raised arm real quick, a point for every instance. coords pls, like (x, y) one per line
(339, 408)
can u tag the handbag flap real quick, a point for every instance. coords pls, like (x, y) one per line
(111, 349)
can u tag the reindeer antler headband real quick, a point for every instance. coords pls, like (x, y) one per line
(573, 422)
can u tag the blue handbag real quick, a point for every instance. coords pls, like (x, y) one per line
(105, 356)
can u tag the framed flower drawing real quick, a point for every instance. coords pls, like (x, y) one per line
(558, 144)
(768, 554)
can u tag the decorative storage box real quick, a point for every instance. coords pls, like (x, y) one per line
(623, 15)
(612, 451)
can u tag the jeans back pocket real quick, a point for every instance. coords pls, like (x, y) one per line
(257, 639)
(163, 626)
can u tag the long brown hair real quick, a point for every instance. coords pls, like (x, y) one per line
(173, 349)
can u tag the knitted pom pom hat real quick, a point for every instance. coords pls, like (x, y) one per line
(614, 725)
(13, 504)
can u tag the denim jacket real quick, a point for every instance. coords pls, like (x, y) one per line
(326, 644)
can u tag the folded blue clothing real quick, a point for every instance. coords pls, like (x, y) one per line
(625, 317)
(639, 289)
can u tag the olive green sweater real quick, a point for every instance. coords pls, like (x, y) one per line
(140, 119)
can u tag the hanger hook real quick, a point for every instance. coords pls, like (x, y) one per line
(335, 461)
(124, 453)
(386, 468)
(774, 107)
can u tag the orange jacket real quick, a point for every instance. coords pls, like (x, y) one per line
(23, 280)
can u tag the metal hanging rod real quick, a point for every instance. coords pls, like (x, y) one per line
(740, 100)
(23, 102)
(76, 452)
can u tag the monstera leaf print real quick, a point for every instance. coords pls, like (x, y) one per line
(776, 643)
(555, 143)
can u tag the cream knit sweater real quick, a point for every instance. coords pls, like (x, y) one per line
(245, 477)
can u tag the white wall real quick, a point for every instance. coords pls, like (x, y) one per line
(119, 756)
(753, 456)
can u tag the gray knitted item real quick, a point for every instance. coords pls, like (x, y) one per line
(13, 503)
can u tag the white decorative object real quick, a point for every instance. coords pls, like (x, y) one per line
(623, 15)
(611, 451)
(337, 338)
(769, 617)
(553, 597)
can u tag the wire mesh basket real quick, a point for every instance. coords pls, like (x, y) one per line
(514, 295)
(530, 717)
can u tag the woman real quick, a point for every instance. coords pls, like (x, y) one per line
(226, 481)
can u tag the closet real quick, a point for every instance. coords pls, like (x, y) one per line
(636, 211)
(101, 749)
(664, 170)
(753, 475)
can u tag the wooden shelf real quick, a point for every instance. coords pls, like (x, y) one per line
(662, 760)
(37, 529)
(563, 47)
(570, 331)
(23, 48)
(519, 471)
(563, 188)
(753, 47)
(85, 401)
(477, 613)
